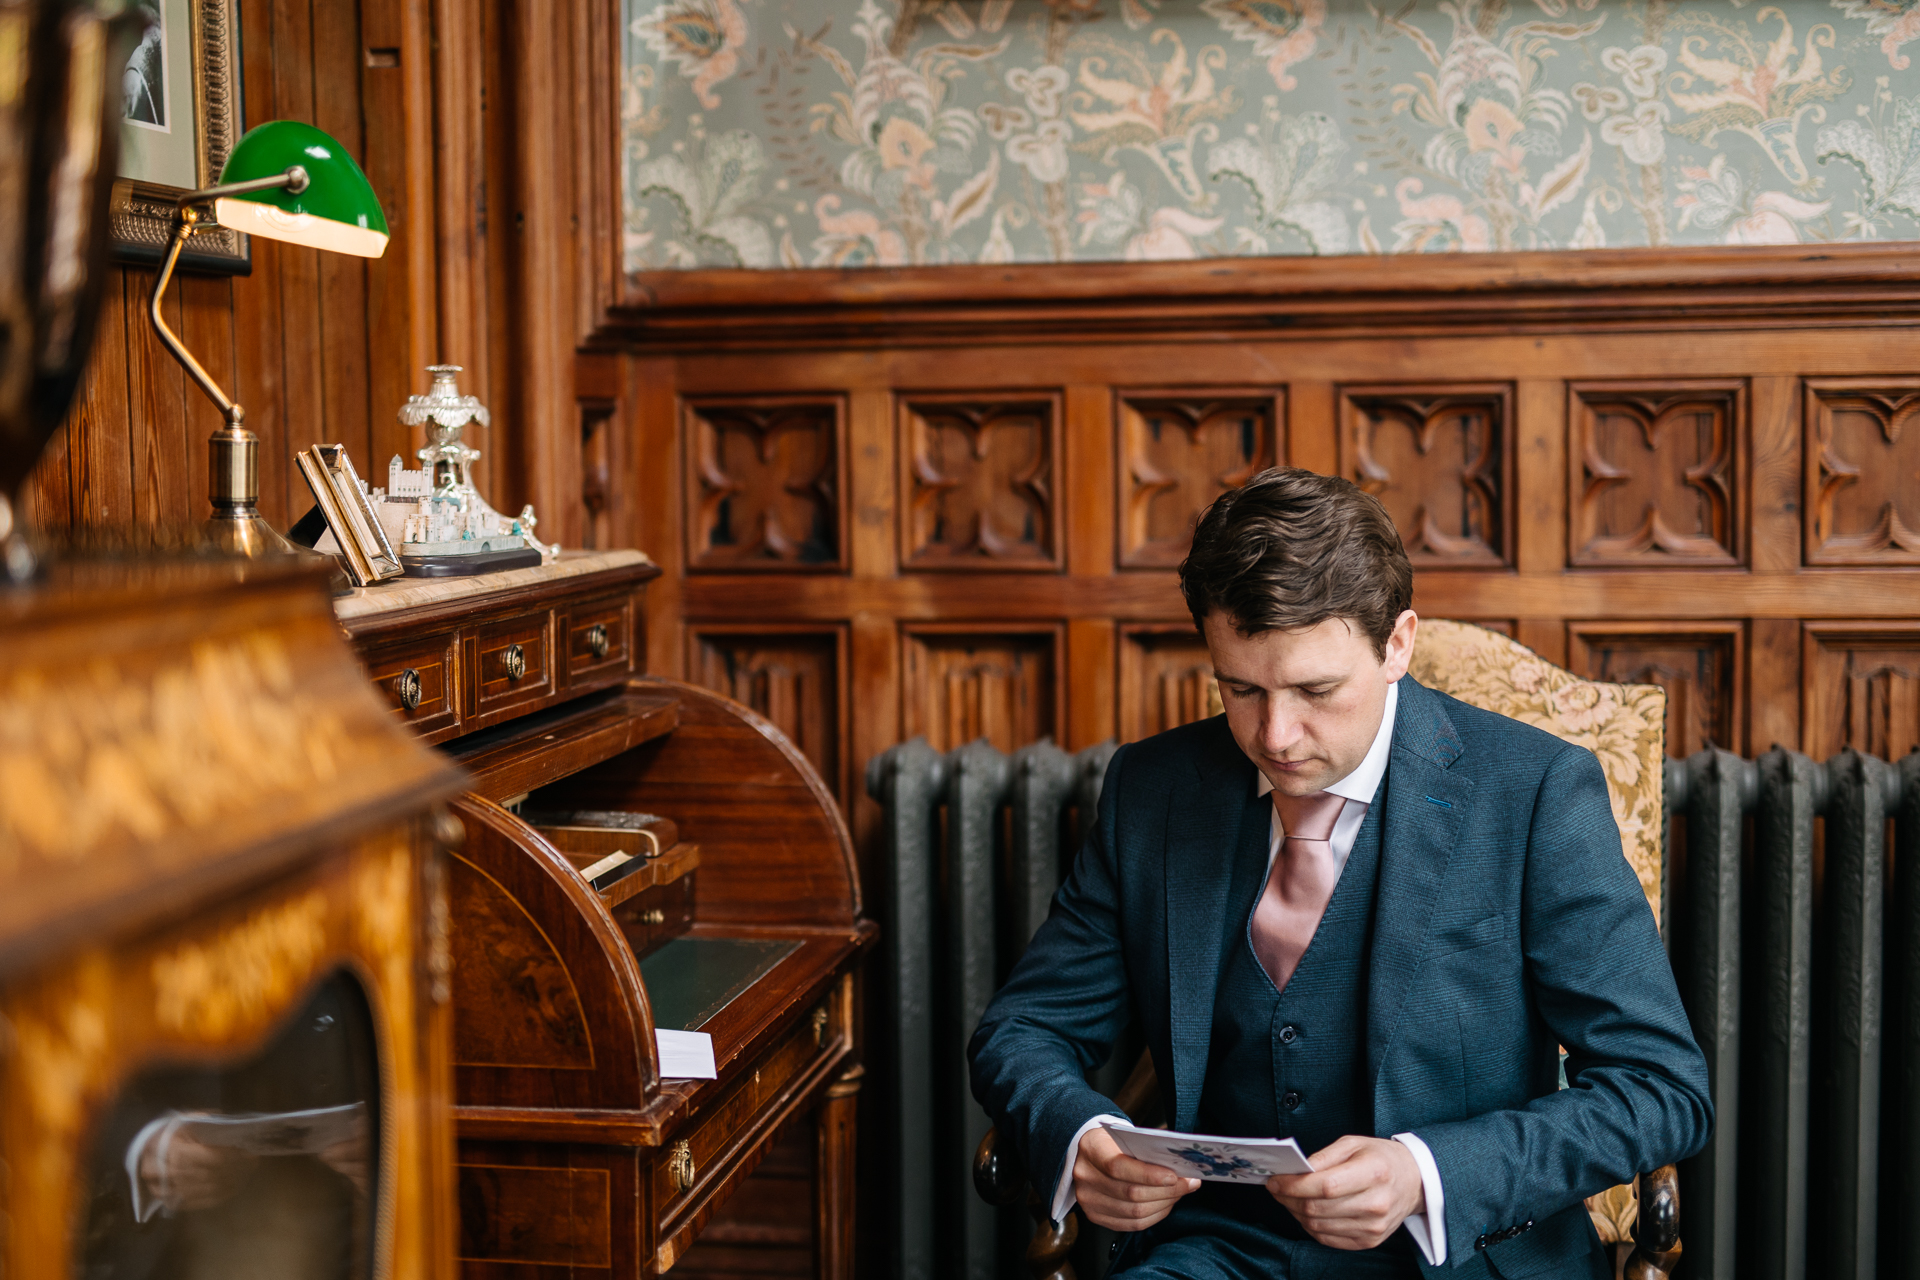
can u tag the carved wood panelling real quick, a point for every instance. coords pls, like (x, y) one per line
(1166, 679)
(1656, 475)
(1438, 457)
(794, 676)
(978, 482)
(1862, 463)
(998, 683)
(598, 449)
(1179, 450)
(1699, 664)
(764, 487)
(1862, 682)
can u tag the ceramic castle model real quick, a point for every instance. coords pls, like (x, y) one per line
(437, 509)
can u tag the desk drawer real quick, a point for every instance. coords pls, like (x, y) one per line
(599, 640)
(730, 1117)
(512, 664)
(418, 678)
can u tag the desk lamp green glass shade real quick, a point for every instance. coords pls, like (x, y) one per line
(284, 181)
(336, 211)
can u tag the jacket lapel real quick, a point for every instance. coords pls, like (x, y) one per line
(1211, 825)
(1425, 806)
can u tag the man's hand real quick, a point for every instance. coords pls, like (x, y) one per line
(197, 1176)
(1122, 1193)
(1360, 1191)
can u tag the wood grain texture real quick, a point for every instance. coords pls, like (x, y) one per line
(1862, 471)
(1440, 459)
(1701, 666)
(1179, 450)
(1861, 688)
(795, 677)
(979, 482)
(314, 346)
(1166, 679)
(765, 485)
(1660, 473)
(962, 683)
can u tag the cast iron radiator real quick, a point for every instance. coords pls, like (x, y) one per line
(975, 843)
(1795, 940)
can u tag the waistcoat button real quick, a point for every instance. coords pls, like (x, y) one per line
(1287, 1034)
(1290, 1100)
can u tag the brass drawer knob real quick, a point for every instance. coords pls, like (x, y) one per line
(598, 641)
(680, 1166)
(515, 661)
(653, 915)
(406, 687)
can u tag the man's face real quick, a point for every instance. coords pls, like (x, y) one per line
(1305, 705)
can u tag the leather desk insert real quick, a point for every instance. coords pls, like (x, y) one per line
(723, 897)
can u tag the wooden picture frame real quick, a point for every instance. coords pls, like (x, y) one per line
(364, 545)
(180, 90)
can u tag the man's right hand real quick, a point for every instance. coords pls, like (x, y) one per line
(1120, 1192)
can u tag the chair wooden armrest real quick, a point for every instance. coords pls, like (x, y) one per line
(1656, 1235)
(1000, 1178)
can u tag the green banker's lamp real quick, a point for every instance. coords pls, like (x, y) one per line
(284, 181)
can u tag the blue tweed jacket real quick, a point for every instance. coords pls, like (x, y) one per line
(1507, 925)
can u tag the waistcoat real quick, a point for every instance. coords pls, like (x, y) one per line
(1293, 1063)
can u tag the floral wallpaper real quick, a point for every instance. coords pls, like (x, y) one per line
(802, 133)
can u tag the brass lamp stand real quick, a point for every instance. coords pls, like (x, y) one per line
(233, 451)
(285, 181)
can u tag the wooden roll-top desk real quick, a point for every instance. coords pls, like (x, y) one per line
(737, 913)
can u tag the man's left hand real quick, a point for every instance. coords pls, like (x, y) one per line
(1360, 1191)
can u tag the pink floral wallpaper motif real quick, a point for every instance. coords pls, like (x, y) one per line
(801, 133)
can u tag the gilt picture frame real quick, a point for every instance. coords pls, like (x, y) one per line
(364, 546)
(179, 93)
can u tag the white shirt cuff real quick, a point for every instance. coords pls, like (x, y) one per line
(1063, 1197)
(1429, 1227)
(144, 1205)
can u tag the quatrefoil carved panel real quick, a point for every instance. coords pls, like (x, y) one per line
(1178, 452)
(978, 484)
(1656, 473)
(1438, 460)
(763, 486)
(1863, 471)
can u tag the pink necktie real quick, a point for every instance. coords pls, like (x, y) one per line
(1300, 884)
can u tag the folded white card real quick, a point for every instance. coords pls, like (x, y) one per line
(685, 1055)
(1199, 1155)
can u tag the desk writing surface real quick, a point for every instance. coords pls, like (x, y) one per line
(691, 979)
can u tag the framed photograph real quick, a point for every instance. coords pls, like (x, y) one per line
(180, 116)
(336, 487)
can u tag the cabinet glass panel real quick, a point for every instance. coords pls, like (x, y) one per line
(265, 1166)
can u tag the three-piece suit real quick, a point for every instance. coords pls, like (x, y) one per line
(1484, 920)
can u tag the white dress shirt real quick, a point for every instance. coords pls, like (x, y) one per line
(1428, 1227)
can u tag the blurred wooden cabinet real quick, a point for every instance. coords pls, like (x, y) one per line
(223, 927)
(732, 906)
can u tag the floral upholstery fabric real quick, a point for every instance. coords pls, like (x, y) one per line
(1624, 725)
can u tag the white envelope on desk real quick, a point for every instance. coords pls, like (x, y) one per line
(1199, 1155)
(685, 1055)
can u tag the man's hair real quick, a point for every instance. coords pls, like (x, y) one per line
(1290, 549)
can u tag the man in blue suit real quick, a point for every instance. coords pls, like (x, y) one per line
(1356, 912)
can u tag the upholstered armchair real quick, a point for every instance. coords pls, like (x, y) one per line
(1624, 726)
